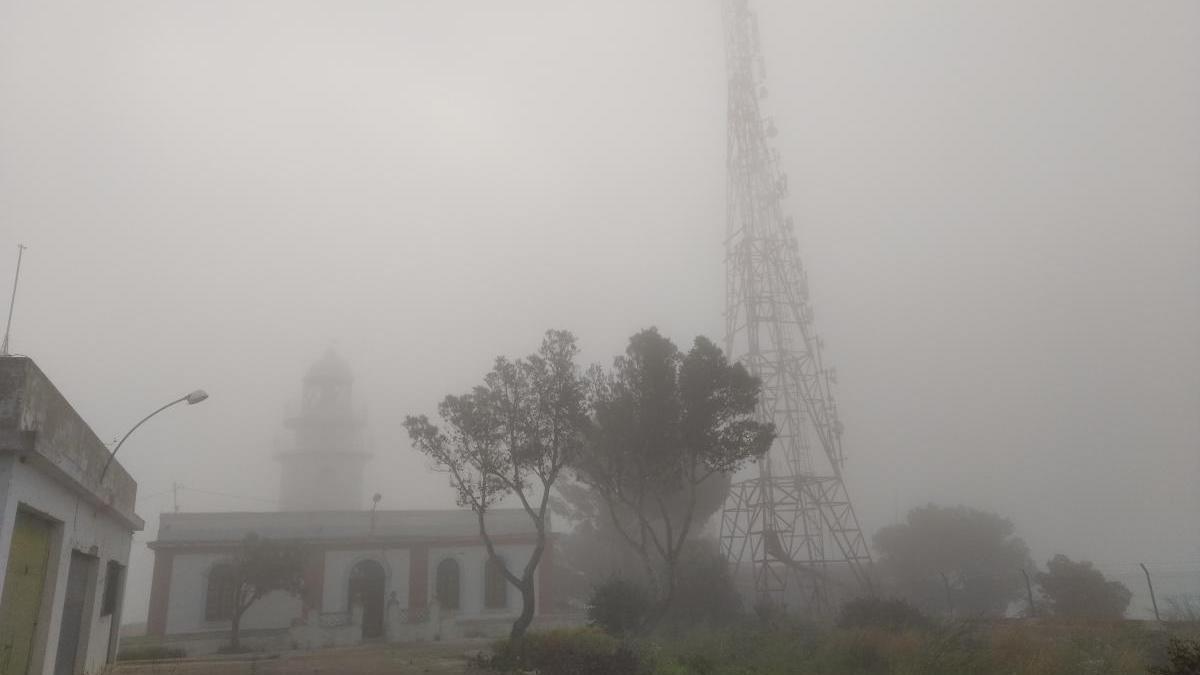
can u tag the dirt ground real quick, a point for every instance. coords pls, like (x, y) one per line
(425, 657)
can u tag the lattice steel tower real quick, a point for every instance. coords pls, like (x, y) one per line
(792, 521)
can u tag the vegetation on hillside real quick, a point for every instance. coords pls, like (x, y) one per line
(1005, 647)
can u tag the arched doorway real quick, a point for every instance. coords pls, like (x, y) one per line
(367, 581)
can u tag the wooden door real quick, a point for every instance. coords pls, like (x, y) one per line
(24, 582)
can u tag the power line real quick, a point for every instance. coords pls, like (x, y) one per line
(152, 495)
(228, 495)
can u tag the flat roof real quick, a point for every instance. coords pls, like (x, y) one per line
(38, 423)
(185, 529)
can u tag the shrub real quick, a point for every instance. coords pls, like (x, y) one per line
(150, 653)
(1183, 658)
(891, 614)
(581, 651)
(704, 590)
(1078, 590)
(618, 607)
(1182, 607)
(235, 649)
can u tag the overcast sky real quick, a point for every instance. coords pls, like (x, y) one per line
(998, 204)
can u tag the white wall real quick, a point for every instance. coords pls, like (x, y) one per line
(189, 579)
(471, 569)
(81, 527)
(189, 595)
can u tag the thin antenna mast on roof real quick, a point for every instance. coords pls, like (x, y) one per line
(12, 301)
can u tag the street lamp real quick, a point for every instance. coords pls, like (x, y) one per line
(192, 399)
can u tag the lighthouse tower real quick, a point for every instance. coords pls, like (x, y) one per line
(323, 469)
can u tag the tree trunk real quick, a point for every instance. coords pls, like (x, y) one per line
(662, 603)
(528, 603)
(235, 642)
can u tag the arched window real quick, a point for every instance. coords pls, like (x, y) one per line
(222, 593)
(495, 586)
(447, 583)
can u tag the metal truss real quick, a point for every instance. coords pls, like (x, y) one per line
(793, 522)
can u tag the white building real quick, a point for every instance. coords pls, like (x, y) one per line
(395, 575)
(389, 575)
(64, 533)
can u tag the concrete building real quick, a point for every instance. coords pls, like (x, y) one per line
(64, 534)
(389, 575)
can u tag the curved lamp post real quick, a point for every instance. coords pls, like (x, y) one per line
(192, 398)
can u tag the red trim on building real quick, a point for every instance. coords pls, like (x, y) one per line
(418, 580)
(160, 593)
(314, 581)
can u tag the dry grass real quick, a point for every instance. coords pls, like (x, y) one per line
(982, 648)
(424, 657)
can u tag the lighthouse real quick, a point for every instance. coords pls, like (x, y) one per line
(323, 468)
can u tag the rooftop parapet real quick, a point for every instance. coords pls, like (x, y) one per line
(39, 425)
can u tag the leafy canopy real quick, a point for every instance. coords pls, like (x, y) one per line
(1078, 590)
(669, 428)
(969, 555)
(512, 436)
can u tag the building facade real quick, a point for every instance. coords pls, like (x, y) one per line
(369, 575)
(386, 575)
(65, 534)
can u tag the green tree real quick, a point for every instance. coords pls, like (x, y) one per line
(1079, 590)
(666, 425)
(512, 436)
(954, 560)
(259, 567)
(594, 549)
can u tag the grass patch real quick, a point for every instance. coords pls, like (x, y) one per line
(150, 653)
(753, 648)
(579, 651)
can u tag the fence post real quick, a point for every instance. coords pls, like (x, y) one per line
(1149, 583)
(949, 598)
(1029, 592)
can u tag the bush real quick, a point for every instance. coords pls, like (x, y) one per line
(1182, 607)
(618, 607)
(240, 649)
(1078, 590)
(150, 653)
(1183, 658)
(890, 614)
(581, 651)
(704, 590)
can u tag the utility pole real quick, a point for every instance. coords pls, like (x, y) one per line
(1151, 585)
(175, 495)
(12, 301)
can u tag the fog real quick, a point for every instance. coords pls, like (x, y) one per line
(998, 204)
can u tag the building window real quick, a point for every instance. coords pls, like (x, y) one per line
(495, 586)
(112, 588)
(222, 594)
(447, 584)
